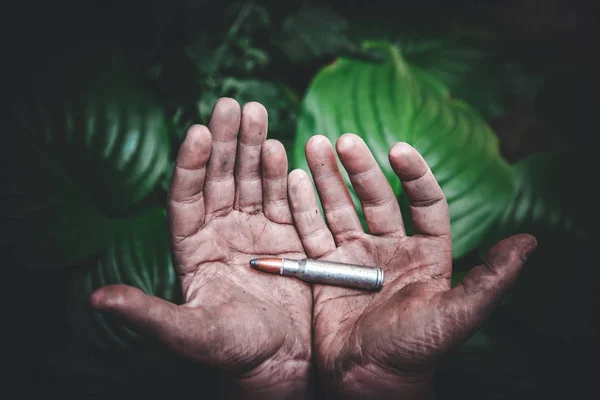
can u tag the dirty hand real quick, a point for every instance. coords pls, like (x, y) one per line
(228, 204)
(384, 345)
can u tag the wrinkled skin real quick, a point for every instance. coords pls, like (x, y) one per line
(384, 344)
(231, 200)
(225, 209)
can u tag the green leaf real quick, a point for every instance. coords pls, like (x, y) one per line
(207, 56)
(139, 256)
(85, 142)
(473, 70)
(557, 291)
(393, 101)
(101, 126)
(476, 65)
(315, 32)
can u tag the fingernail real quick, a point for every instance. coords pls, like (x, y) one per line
(97, 299)
(526, 252)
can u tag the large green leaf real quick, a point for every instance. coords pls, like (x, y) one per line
(393, 101)
(473, 70)
(476, 64)
(557, 292)
(85, 141)
(139, 256)
(106, 130)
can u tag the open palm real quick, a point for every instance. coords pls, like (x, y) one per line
(226, 208)
(385, 343)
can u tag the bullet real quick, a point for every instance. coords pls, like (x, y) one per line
(323, 272)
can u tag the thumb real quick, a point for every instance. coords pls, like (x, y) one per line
(482, 288)
(151, 315)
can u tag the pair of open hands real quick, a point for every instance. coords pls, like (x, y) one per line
(232, 200)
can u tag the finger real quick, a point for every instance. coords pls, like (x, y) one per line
(474, 298)
(219, 188)
(155, 317)
(429, 209)
(338, 206)
(379, 204)
(253, 132)
(310, 225)
(274, 182)
(186, 203)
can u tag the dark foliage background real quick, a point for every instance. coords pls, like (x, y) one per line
(526, 67)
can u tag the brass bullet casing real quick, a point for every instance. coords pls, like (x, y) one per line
(323, 272)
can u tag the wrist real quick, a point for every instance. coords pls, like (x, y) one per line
(370, 381)
(291, 379)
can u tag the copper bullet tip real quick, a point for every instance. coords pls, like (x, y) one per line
(270, 265)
